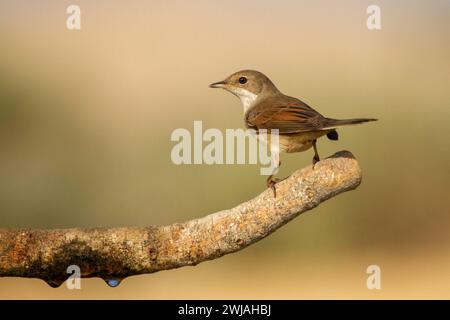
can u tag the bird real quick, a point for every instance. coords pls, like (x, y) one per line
(265, 107)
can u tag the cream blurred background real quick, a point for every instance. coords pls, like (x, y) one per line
(86, 118)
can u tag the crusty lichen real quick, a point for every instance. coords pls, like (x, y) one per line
(120, 252)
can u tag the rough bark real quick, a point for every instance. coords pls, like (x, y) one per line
(116, 253)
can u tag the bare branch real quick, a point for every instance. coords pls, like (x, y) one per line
(116, 253)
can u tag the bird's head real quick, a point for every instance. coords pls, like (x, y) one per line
(248, 86)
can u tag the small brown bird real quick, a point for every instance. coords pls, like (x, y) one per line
(265, 107)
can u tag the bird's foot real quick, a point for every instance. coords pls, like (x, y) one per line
(315, 160)
(270, 183)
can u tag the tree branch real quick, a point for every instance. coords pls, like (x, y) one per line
(116, 253)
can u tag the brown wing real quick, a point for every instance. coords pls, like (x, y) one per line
(288, 115)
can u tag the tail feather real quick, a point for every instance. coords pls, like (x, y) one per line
(333, 123)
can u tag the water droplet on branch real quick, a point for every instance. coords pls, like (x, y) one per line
(112, 282)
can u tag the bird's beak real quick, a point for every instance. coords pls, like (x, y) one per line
(220, 84)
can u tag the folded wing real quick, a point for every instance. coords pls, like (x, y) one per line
(288, 115)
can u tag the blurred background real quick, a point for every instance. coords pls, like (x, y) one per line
(86, 118)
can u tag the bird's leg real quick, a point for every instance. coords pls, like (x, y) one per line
(316, 157)
(270, 182)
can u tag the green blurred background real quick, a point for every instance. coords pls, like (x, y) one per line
(86, 118)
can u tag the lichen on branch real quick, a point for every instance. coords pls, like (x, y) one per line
(116, 253)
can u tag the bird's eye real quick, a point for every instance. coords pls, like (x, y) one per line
(242, 80)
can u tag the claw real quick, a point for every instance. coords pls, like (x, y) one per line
(315, 160)
(271, 184)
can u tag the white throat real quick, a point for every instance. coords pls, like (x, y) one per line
(247, 98)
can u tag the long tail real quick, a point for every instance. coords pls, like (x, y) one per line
(334, 123)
